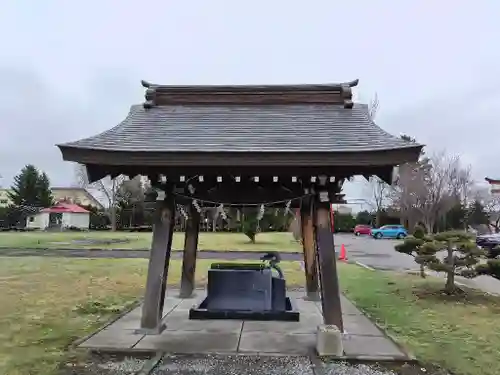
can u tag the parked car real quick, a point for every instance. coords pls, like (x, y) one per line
(491, 243)
(362, 229)
(389, 231)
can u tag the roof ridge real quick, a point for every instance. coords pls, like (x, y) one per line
(331, 93)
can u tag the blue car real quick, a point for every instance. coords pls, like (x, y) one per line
(389, 231)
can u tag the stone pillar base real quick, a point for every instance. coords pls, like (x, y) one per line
(329, 341)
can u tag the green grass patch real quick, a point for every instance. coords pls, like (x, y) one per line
(47, 303)
(461, 334)
(276, 241)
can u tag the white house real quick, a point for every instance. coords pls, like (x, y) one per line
(62, 215)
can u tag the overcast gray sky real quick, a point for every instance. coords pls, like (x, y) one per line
(72, 69)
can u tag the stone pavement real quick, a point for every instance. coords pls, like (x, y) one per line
(362, 339)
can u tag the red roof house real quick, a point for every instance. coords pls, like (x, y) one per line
(62, 207)
(60, 216)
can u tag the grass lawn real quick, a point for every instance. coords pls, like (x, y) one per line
(277, 241)
(461, 334)
(47, 303)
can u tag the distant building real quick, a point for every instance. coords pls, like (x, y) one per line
(342, 209)
(73, 195)
(4, 197)
(76, 195)
(494, 185)
(60, 216)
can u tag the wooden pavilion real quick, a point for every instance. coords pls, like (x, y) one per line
(494, 185)
(244, 145)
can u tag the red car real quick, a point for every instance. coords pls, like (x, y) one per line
(362, 229)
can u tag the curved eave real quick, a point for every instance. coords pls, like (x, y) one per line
(492, 180)
(381, 157)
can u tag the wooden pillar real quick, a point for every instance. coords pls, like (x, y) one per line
(159, 258)
(309, 249)
(330, 291)
(190, 250)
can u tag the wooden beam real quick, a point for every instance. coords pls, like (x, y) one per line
(283, 172)
(308, 246)
(250, 192)
(190, 251)
(159, 259)
(330, 291)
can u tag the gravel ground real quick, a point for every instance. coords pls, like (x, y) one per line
(233, 365)
(341, 368)
(258, 365)
(105, 365)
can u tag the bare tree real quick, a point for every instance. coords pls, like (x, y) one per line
(131, 191)
(427, 190)
(439, 188)
(373, 107)
(108, 187)
(461, 182)
(378, 192)
(403, 193)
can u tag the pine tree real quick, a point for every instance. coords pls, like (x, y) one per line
(45, 198)
(31, 188)
(477, 214)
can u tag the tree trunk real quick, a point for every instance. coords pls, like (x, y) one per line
(378, 218)
(429, 225)
(131, 220)
(450, 283)
(112, 205)
(450, 276)
(113, 218)
(422, 271)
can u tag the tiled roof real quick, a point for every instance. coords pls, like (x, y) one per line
(65, 207)
(245, 128)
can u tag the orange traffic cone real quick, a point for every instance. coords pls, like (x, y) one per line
(343, 253)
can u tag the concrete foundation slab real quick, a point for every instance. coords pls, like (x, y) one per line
(111, 338)
(307, 324)
(191, 342)
(177, 321)
(371, 346)
(277, 343)
(360, 325)
(182, 335)
(348, 307)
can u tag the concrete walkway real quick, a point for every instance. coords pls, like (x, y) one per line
(362, 340)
